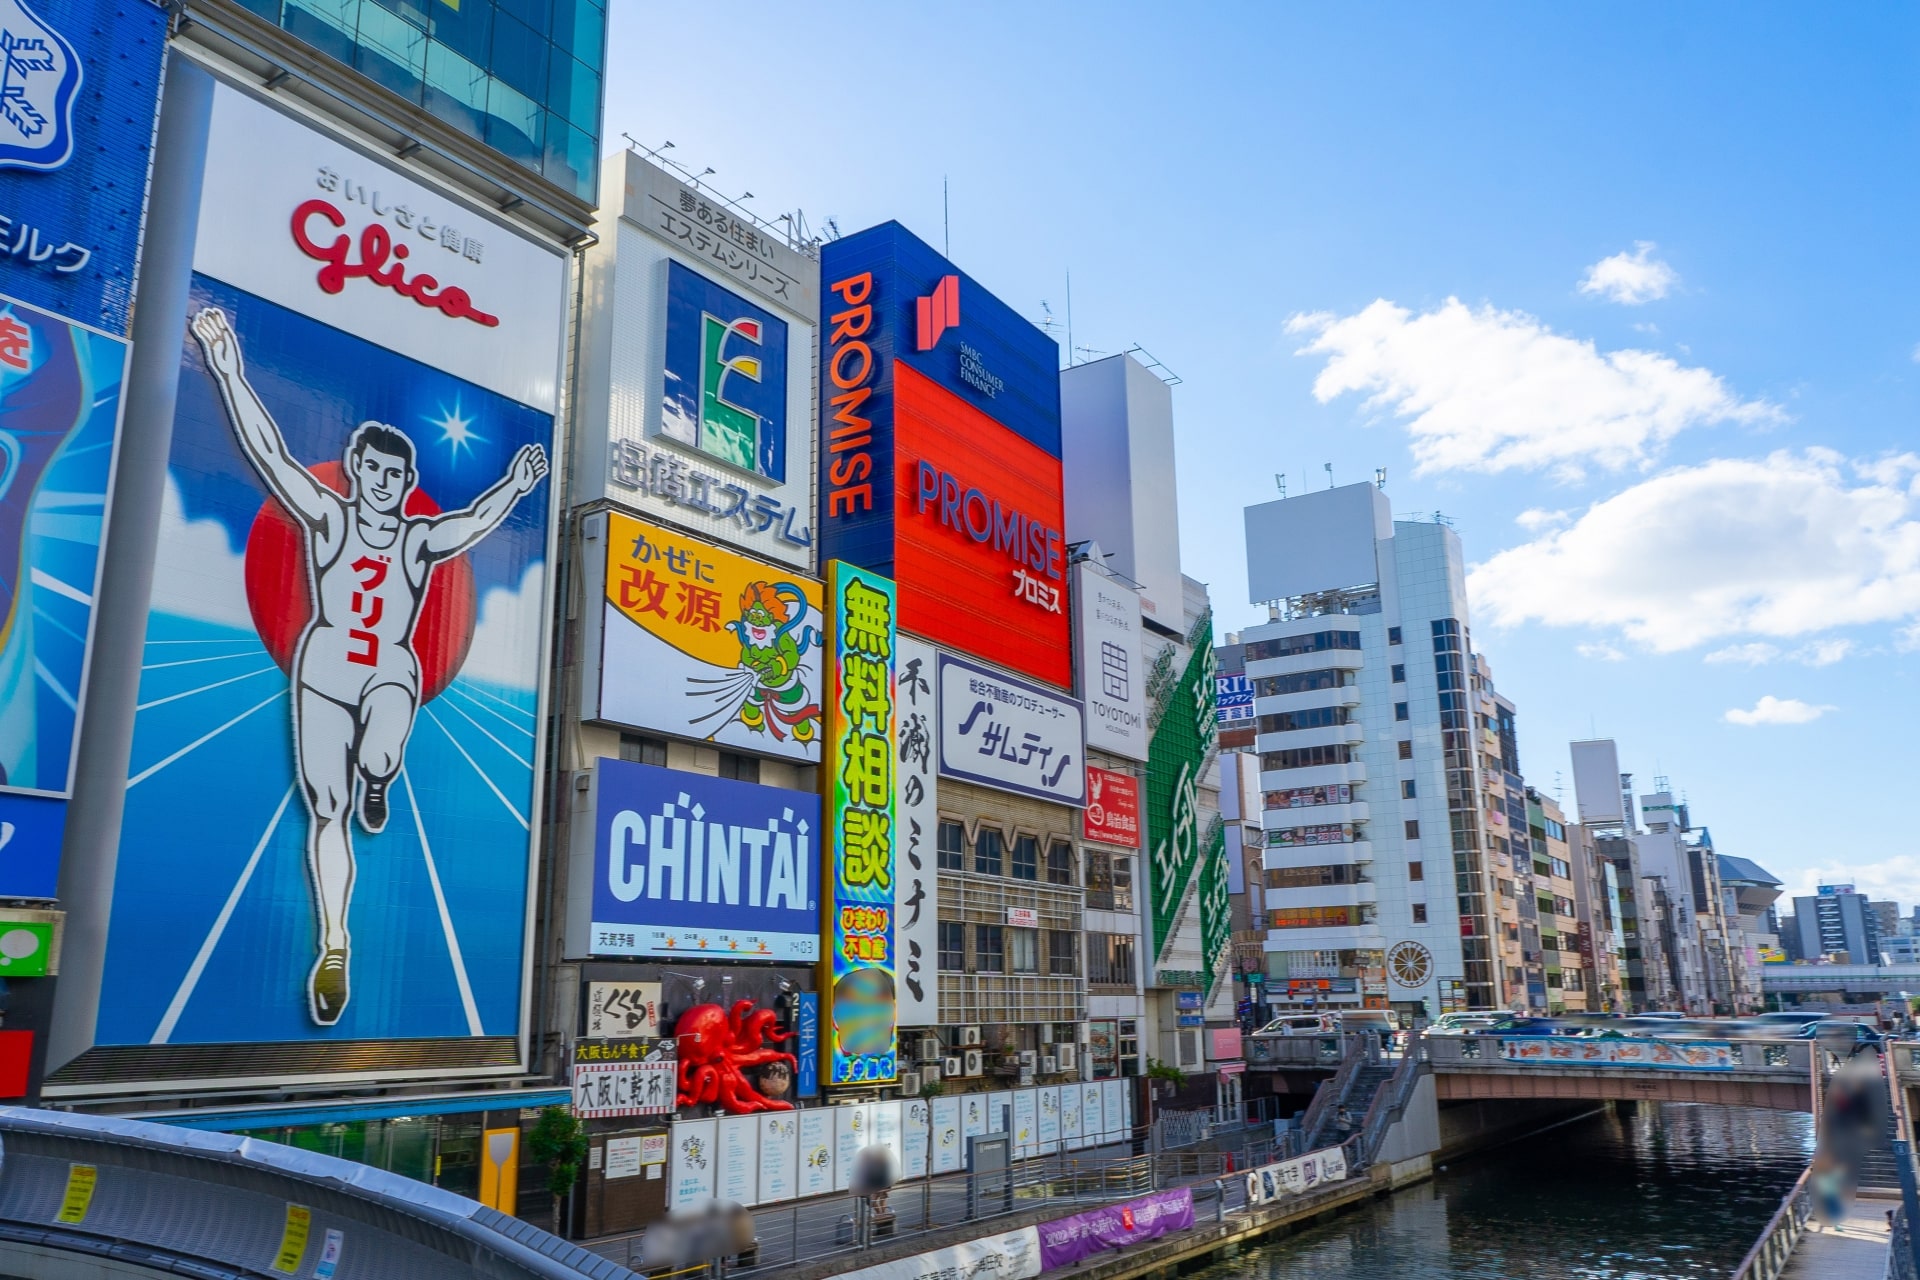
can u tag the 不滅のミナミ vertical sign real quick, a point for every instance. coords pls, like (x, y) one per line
(861, 729)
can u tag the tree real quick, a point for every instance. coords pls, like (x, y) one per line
(559, 1142)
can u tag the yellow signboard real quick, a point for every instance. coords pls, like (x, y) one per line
(81, 1180)
(699, 642)
(293, 1239)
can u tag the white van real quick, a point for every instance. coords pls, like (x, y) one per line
(1381, 1020)
(1299, 1024)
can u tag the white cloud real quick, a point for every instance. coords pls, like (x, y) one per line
(1822, 653)
(1753, 655)
(1535, 519)
(1895, 879)
(1601, 652)
(506, 639)
(1772, 710)
(1787, 545)
(1492, 390)
(1631, 278)
(197, 573)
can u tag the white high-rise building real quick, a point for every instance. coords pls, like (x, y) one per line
(1376, 865)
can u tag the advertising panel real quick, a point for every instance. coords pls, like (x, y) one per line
(1010, 1255)
(946, 1135)
(624, 1077)
(690, 1165)
(1291, 1177)
(779, 1155)
(1113, 808)
(1066, 1242)
(344, 646)
(1235, 699)
(917, 811)
(82, 85)
(816, 1151)
(1112, 681)
(940, 451)
(1005, 733)
(623, 1010)
(1179, 749)
(738, 1177)
(702, 333)
(1216, 906)
(1663, 1055)
(702, 643)
(862, 732)
(688, 864)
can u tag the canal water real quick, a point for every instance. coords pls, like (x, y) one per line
(1665, 1191)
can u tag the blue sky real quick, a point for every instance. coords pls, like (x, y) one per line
(1359, 234)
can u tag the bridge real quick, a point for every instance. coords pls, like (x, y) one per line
(1735, 1073)
(1860, 979)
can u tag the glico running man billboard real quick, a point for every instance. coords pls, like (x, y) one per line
(940, 451)
(330, 802)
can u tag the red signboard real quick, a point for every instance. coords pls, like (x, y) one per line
(979, 527)
(1113, 807)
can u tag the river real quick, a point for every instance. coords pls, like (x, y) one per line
(1667, 1191)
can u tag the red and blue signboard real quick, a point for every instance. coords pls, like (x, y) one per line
(940, 451)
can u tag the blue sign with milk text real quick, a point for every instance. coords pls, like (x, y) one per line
(79, 89)
(685, 864)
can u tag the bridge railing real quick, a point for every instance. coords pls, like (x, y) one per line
(1771, 1252)
(1787, 1059)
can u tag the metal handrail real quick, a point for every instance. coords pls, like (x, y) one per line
(1770, 1253)
(1333, 1093)
(1391, 1097)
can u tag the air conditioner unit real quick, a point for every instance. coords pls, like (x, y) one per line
(969, 1036)
(909, 1083)
(953, 1067)
(976, 1062)
(1049, 1066)
(1028, 1057)
(1066, 1054)
(931, 1050)
(931, 1073)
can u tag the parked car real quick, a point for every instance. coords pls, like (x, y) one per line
(1378, 1020)
(1460, 1024)
(1300, 1024)
(1840, 1035)
(1523, 1026)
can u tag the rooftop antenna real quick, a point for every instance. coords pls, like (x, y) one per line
(1380, 478)
(1280, 482)
(1329, 467)
(1047, 321)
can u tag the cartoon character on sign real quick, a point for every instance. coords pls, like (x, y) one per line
(777, 630)
(718, 1047)
(371, 544)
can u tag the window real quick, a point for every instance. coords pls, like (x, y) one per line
(1110, 959)
(953, 846)
(1419, 913)
(1406, 751)
(1306, 757)
(738, 767)
(1571, 980)
(1302, 682)
(1310, 718)
(986, 851)
(1023, 950)
(1413, 828)
(1062, 960)
(953, 946)
(1310, 877)
(1317, 642)
(1109, 881)
(1416, 871)
(989, 953)
(1399, 673)
(1407, 790)
(1319, 833)
(1307, 797)
(1400, 711)
(641, 750)
(1393, 635)
(1060, 863)
(1026, 858)
(1312, 917)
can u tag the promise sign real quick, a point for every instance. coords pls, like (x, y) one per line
(861, 734)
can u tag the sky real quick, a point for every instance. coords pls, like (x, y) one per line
(1627, 291)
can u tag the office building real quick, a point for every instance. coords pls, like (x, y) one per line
(1835, 923)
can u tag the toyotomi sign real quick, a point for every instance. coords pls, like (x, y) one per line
(307, 222)
(1112, 682)
(1006, 733)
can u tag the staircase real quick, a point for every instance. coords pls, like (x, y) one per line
(1878, 1171)
(1355, 1100)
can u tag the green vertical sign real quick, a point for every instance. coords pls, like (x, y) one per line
(1175, 757)
(1216, 904)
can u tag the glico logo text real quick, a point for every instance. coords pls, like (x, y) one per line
(850, 364)
(1036, 549)
(376, 246)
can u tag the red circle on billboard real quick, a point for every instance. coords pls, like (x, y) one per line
(280, 591)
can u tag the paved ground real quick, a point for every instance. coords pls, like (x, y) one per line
(1856, 1249)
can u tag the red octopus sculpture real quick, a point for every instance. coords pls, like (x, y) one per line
(715, 1049)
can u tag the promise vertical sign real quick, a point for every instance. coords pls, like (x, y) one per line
(861, 735)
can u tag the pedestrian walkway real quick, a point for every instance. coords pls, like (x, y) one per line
(1855, 1249)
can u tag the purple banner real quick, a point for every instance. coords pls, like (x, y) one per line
(1069, 1240)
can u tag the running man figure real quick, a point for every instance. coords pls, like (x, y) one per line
(356, 680)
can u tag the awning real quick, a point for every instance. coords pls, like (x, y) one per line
(1230, 1068)
(362, 1109)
